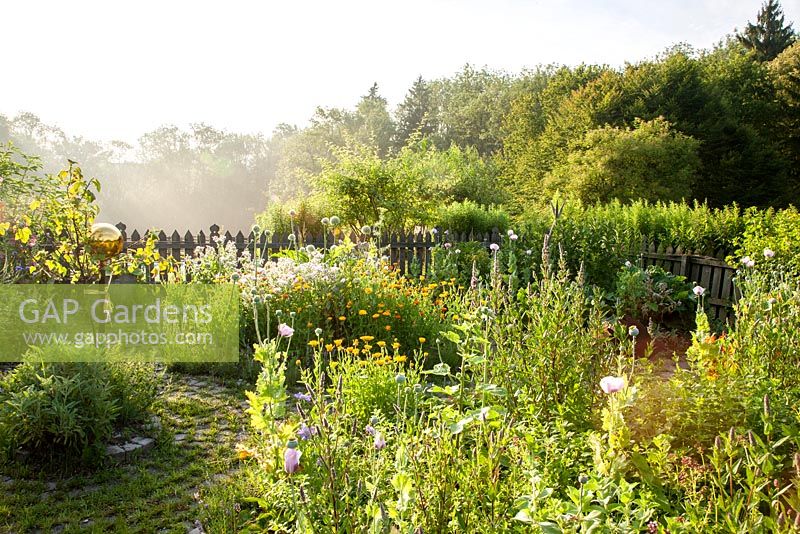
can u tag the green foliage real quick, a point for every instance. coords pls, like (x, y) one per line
(650, 161)
(778, 231)
(365, 189)
(721, 99)
(768, 37)
(650, 293)
(602, 237)
(71, 408)
(307, 221)
(468, 216)
(558, 373)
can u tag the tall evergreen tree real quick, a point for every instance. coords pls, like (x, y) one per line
(374, 125)
(768, 37)
(416, 112)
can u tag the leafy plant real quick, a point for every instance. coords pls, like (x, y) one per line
(650, 293)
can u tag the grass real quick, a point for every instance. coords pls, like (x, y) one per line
(158, 491)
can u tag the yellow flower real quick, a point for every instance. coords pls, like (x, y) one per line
(366, 338)
(334, 365)
(387, 313)
(381, 344)
(395, 345)
(400, 359)
(368, 290)
(362, 312)
(422, 277)
(338, 342)
(456, 317)
(313, 343)
(422, 340)
(297, 363)
(243, 452)
(342, 318)
(376, 354)
(367, 346)
(329, 347)
(376, 315)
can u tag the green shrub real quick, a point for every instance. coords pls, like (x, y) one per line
(306, 223)
(778, 231)
(602, 237)
(71, 408)
(468, 216)
(650, 293)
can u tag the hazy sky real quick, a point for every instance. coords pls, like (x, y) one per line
(114, 70)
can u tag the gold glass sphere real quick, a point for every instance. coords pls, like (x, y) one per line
(105, 240)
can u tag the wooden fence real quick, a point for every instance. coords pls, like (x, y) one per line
(709, 271)
(405, 249)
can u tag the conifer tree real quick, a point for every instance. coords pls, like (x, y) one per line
(768, 37)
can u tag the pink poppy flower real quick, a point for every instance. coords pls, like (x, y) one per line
(284, 330)
(612, 384)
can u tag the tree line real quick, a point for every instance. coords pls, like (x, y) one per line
(718, 125)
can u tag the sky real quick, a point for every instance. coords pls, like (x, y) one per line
(115, 70)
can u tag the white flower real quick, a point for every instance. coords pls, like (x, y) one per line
(699, 291)
(434, 231)
(748, 262)
(768, 253)
(529, 252)
(612, 384)
(495, 247)
(628, 264)
(513, 237)
(510, 233)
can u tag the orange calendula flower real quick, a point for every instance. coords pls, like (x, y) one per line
(243, 452)
(387, 313)
(388, 328)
